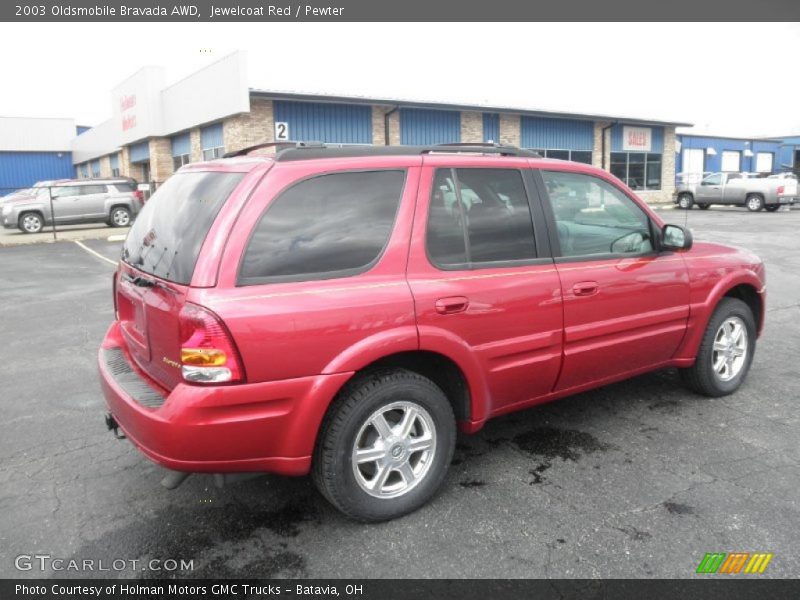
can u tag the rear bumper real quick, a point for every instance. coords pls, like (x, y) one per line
(257, 427)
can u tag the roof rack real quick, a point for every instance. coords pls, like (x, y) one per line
(278, 145)
(308, 151)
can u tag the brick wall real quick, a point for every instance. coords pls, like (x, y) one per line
(160, 159)
(472, 127)
(196, 153)
(105, 166)
(510, 129)
(125, 166)
(248, 129)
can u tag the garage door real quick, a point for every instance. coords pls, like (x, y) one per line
(693, 161)
(325, 122)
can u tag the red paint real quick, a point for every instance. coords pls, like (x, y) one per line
(521, 335)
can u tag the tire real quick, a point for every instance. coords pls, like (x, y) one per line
(685, 201)
(119, 217)
(703, 377)
(30, 222)
(754, 202)
(350, 426)
(772, 207)
(703, 206)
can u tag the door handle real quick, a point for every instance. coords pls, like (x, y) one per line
(585, 288)
(451, 305)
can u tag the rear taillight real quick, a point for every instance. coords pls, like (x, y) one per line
(208, 354)
(138, 195)
(781, 190)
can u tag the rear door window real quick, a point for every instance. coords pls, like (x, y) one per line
(92, 189)
(490, 224)
(166, 237)
(332, 225)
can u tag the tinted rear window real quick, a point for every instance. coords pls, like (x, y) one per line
(330, 226)
(123, 187)
(167, 236)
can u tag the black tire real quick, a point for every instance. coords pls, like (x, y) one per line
(333, 471)
(30, 222)
(772, 207)
(119, 217)
(685, 201)
(701, 377)
(754, 202)
(703, 206)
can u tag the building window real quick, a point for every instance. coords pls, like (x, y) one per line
(212, 153)
(114, 162)
(179, 161)
(211, 141)
(731, 161)
(638, 170)
(581, 156)
(764, 161)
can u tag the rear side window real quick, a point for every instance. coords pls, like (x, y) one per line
(329, 226)
(123, 188)
(479, 217)
(92, 189)
(166, 237)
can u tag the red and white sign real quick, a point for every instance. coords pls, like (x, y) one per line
(637, 139)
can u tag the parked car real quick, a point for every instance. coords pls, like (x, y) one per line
(112, 201)
(742, 189)
(341, 312)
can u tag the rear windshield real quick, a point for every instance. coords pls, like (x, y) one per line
(167, 236)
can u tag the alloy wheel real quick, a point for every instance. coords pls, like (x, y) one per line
(394, 450)
(729, 352)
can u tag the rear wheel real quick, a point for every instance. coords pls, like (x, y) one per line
(726, 351)
(31, 222)
(772, 207)
(119, 217)
(754, 203)
(385, 446)
(685, 201)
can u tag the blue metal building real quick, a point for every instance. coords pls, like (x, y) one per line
(33, 150)
(697, 154)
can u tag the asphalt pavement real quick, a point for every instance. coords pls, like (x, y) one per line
(637, 479)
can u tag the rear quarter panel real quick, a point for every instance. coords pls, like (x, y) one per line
(287, 330)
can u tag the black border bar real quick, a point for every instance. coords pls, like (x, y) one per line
(287, 11)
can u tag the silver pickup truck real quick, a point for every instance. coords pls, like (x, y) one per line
(740, 189)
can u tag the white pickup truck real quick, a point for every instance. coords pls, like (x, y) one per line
(741, 189)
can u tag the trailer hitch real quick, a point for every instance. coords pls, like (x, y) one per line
(113, 426)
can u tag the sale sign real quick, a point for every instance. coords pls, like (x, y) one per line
(637, 139)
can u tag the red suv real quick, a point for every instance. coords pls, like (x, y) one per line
(341, 311)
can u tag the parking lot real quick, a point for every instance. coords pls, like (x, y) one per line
(637, 479)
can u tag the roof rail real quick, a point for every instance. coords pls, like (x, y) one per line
(301, 151)
(278, 145)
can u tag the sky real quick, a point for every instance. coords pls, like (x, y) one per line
(731, 79)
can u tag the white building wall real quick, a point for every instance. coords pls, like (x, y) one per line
(24, 134)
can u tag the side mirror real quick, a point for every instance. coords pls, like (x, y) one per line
(675, 237)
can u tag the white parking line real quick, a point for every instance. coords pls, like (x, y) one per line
(97, 254)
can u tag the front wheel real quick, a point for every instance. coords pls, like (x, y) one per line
(754, 203)
(726, 351)
(31, 223)
(685, 201)
(772, 207)
(385, 446)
